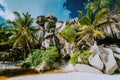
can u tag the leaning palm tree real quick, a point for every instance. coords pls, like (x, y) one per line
(22, 31)
(88, 30)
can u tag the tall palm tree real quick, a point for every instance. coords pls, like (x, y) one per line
(22, 31)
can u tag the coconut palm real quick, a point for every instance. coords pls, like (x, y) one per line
(22, 31)
(99, 4)
(90, 23)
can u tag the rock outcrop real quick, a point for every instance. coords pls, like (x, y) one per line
(67, 49)
(111, 31)
(47, 36)
(107, 58)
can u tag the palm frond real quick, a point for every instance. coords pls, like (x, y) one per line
(81, 38)
(96, 32)
(81, 14)
(105, 23)
(85, 21)
(100, 15)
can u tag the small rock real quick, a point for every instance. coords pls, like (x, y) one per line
(43, 67)
(70, 68)
(80, 60)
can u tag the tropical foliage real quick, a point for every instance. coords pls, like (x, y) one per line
(74, 58)
(69, 34)
(4, 36)
(21, 34)
(99, 4)
(90, 23)
(38, 56)
(22, 31)
(85, 55)
(82, 55)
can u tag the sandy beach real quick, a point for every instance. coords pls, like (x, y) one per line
(68, 76)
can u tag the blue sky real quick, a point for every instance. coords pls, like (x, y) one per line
(40, 7)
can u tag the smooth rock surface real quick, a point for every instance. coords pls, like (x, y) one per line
(111, 64)
(115, 49)
(67, 49)
(86, 69)
(117, 57)
(106, 55)
(96, 62)
(70, 68)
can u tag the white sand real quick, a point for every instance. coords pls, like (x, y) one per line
(69, 76)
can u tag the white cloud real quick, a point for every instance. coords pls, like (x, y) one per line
(39, 7)
(54, 7)
(6, 14)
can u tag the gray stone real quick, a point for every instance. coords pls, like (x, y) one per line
(106, 55)
(43, 67)
(74, 21)
(110, 64)
(80, 60)
(40, 20)
(112, 31)
(117, 57)
(96, 62)
(46, 43)
(86, 69)
(51, 17)
(70, 68)
(59, 24)
(67, 49)
(115, 49)
(60, 28)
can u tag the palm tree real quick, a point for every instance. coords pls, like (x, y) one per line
(22, 31)
(99, 4)
(88, 30)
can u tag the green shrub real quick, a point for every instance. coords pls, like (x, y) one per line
(74, 58)
(50, 55)
(68, 34)
(38, 56)
(35, 57)
(85, 55)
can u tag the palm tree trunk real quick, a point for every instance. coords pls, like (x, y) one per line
(28, 45)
